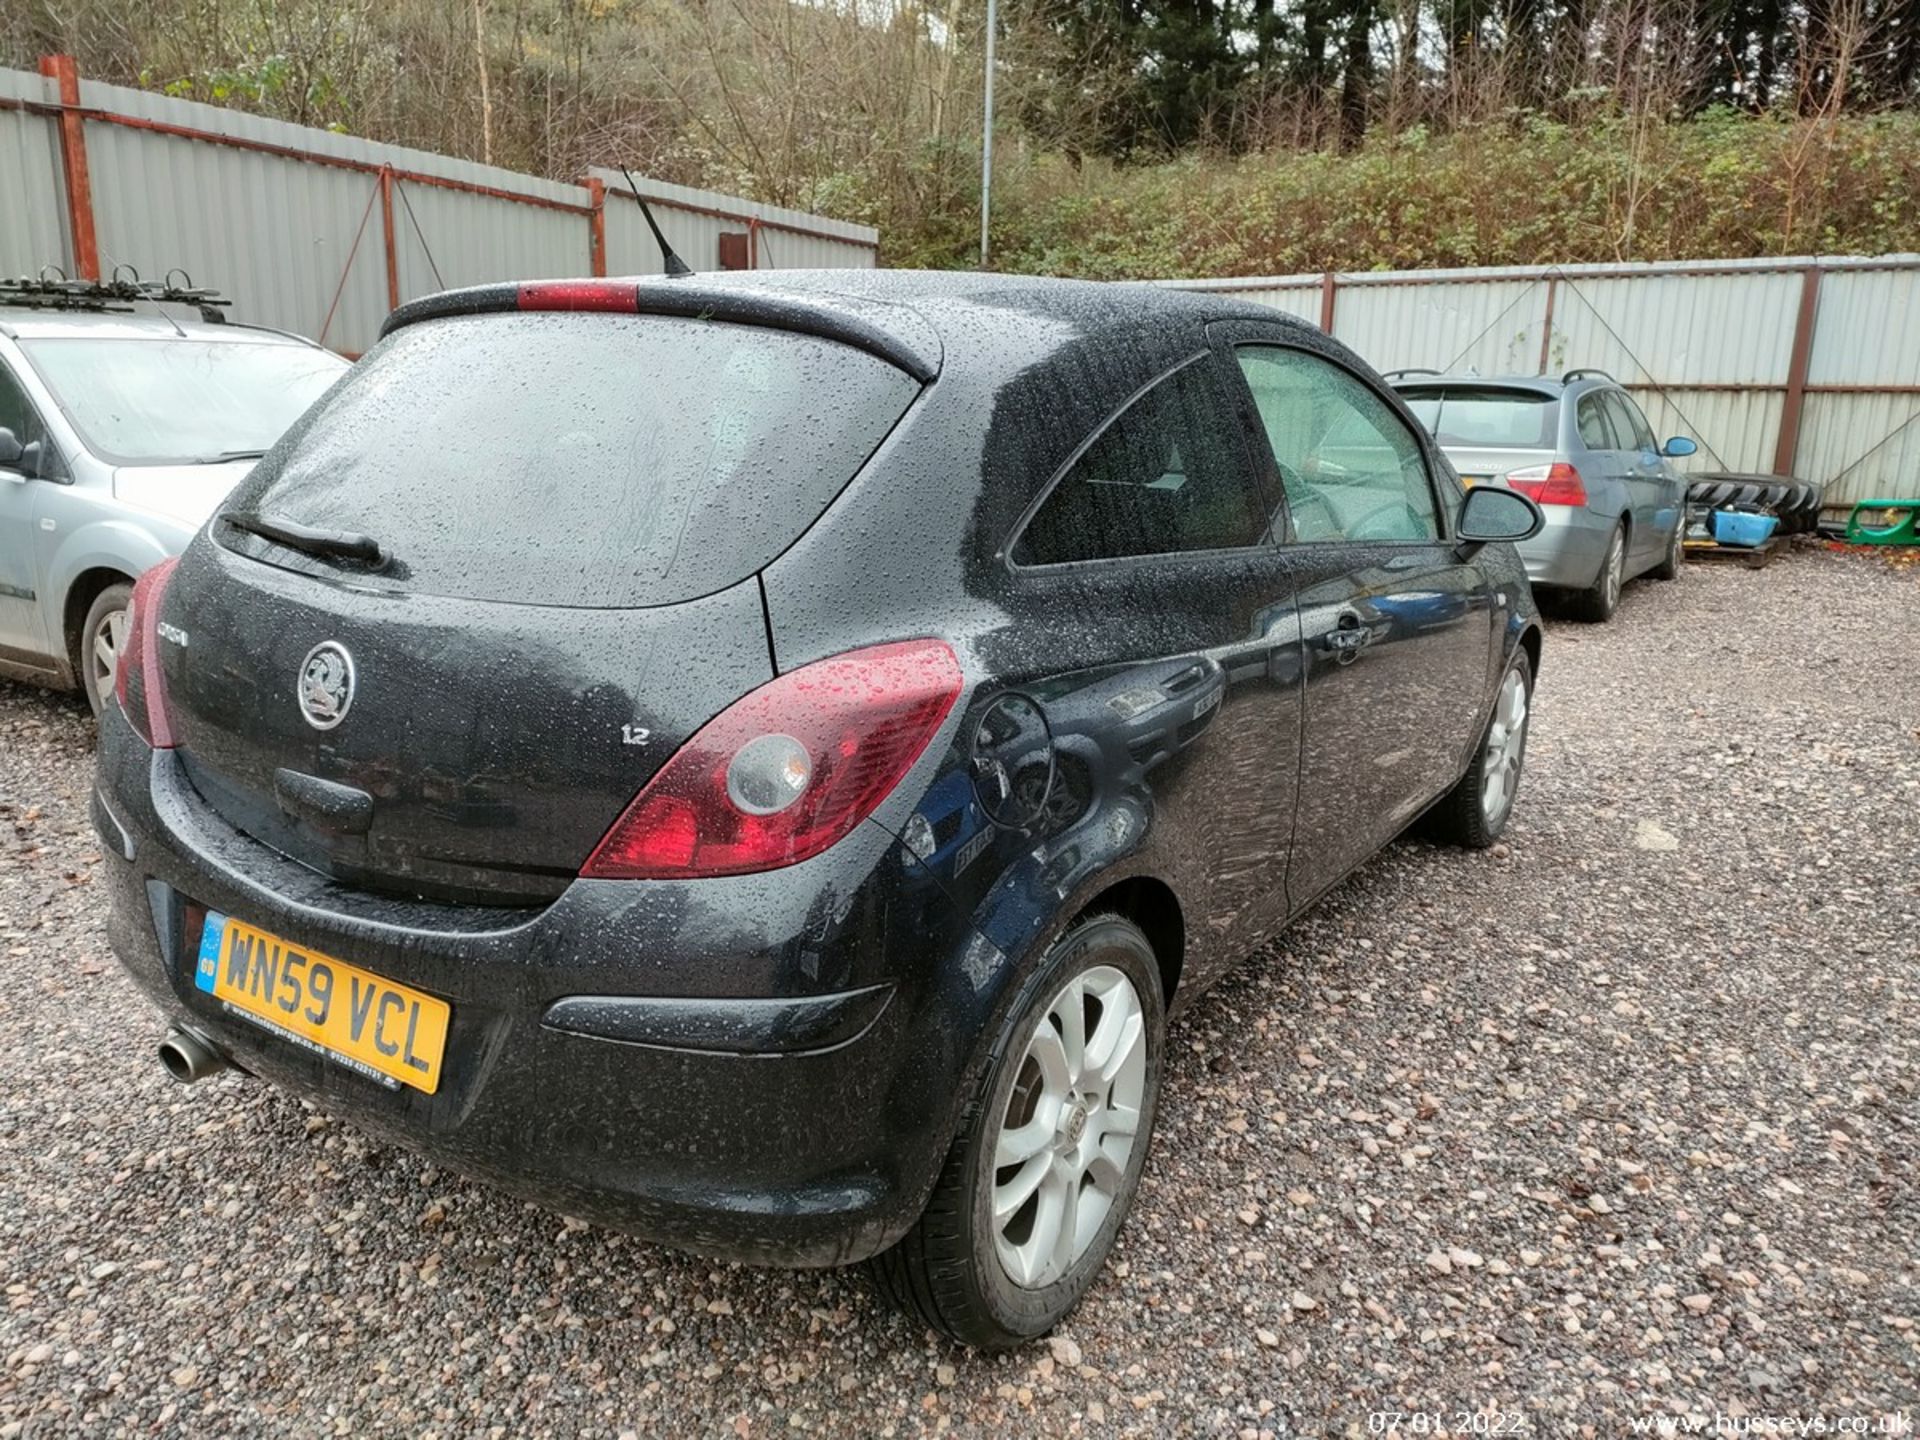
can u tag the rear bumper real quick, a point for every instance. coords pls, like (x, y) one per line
(1567, 552)
(731, 1067)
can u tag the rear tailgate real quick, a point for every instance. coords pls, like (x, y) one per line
(494, 743)
(1486, 429)
(570, 511)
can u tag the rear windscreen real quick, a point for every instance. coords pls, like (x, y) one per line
(593, 460)
(1493, 419)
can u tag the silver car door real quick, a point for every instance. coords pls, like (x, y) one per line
(23, 636)
(1646, 479)
(1603, 467)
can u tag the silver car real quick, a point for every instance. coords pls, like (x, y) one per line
(119, 434)
(1580, 447)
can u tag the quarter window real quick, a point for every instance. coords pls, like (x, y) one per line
(1165, 476)
(1351, 469)
(1596, 432)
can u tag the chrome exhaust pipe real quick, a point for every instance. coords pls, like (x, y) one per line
(190, 1056)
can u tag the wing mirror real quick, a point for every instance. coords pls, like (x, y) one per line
(1678, 446)
(1490, 513)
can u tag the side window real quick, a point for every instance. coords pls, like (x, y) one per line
(1167, 475)
(18, 415)
(1629, 423)
(1350, 467)
(16, 411)
(1596, 433)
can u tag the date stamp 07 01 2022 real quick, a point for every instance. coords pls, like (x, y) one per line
(1445, 1422)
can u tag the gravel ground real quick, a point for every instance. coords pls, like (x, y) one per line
(1616, 1120)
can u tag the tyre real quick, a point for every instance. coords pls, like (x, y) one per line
(1669, 566)
(1049, 1152)
(100, 641)
(1475, 812)
(1598, 601)
(1806, 516)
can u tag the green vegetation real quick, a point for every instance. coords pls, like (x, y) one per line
(1529, 192)
(1188, 138)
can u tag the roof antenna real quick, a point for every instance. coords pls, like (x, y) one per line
(675, 266)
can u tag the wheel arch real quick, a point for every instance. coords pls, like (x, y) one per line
(1531, 641)
(82, 591)
(1150, 903)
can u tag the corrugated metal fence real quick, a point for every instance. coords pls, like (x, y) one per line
(1808, 367)
(323, 233)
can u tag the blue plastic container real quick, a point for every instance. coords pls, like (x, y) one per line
(1738, 527)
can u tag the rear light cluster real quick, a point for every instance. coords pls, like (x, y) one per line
(787, 770)
(137, 681)
(1558, 484)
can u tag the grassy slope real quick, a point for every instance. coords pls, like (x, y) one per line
(1530, 192)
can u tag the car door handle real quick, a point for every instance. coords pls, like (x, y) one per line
(1347, 637)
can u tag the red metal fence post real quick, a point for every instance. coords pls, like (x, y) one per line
(1328, 285)
(386, 230)
(73, 156)
(1789, 439)
(596, 225)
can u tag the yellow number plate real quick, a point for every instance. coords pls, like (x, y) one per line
(383, 1030)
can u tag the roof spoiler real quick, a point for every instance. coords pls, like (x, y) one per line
(683, 297)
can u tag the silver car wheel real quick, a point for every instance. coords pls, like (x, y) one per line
(1616, 565)
(1505, 749)
(108, 640)
(1061, 1155)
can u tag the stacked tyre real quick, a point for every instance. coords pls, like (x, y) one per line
(1796, 502)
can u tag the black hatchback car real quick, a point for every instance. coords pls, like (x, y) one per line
(757, 762)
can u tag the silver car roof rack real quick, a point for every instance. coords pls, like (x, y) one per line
(52, 290)
(1586, 372)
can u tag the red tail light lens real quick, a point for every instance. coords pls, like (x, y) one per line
(619, 297)
(1550, 484)
(786, 771)
(137, 681)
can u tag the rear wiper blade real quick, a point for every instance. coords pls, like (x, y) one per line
(328, 544)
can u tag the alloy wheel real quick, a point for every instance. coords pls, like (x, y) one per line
(1072, 1120)
(1505, 748)
(1616, 568)
(103, 653)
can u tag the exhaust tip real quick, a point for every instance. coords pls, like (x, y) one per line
(189, 1057)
